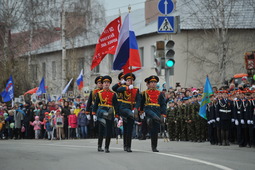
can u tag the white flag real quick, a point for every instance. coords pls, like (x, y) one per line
(65, 89)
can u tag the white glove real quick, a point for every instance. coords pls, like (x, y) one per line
(208, 122)
(236, 122)
(248, 122)
(242, 121)
(213, 120)
(88, 117)
(133, 111)
(251, 122)
(232, 120)
(123, 81)
(142, 116)
(217, 119)
(131, 86)
(94, 118)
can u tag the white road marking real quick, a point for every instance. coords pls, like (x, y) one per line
(158, 153)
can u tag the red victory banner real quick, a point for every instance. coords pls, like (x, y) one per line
(107, 42)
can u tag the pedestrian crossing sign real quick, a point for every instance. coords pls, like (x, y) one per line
(166, 24)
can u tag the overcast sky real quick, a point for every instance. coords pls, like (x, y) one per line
(112, 6)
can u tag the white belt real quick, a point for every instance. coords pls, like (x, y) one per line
(225, 111)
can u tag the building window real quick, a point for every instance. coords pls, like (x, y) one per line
(44, 70)
(153, 51)
(110, 61)
(141, 51)
(54, 70)
(34, 71)
(81, 62)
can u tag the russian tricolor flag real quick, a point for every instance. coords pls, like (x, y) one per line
(127, 55)
(79, 80)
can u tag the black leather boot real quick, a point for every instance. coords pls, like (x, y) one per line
(154, 143)
(100, 141)
(107, 143)
(125, 141)
(129, 138)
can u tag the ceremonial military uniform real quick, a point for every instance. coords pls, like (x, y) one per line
(91, 100)
(129, 106)
(239, 120)
(252, 120)
(105, 108)
(224, 112)
(154, 106)
(211, 116)
(119, 98)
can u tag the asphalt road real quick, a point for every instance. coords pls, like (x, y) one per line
(82, 154)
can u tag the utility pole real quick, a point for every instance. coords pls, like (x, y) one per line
(63, 39)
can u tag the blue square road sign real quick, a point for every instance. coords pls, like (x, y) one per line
(166, 24)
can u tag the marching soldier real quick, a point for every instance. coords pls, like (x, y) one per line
(119, 96)
(90, 104)
(154, 105)
(129, 108)
(105, 108)
(143, 117)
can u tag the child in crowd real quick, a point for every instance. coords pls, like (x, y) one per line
(52, 123)
(2, 127)
(72, 124)
(10, 121)
(82, 123)
(37, 126)
(59, 124)
(48, 127)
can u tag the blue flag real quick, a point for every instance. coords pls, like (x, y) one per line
(205, 98)
(8, 92)
(49, 98)
(41, 88)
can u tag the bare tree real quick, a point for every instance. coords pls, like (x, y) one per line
(217, 19)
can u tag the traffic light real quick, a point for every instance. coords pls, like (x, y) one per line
(169, 55)
(159, 56)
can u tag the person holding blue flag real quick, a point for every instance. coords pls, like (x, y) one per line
(41, 88)
(8, 93)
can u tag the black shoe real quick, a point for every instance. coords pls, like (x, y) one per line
(125, 148)
(154, 150)
(129, 149)
(107, 150)
(99, 149)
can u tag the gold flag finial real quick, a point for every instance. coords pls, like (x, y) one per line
(129, 8)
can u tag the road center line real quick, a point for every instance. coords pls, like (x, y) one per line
(158, 153)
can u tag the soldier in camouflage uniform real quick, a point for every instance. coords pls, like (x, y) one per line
(192, 121)
(183, 122)
(178, 119)
(171, 120)
(196, 120)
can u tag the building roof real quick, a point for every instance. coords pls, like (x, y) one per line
(194, 14)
